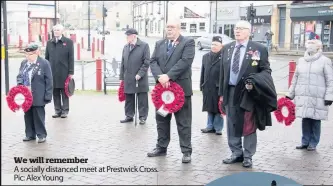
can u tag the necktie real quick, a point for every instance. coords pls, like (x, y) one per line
(131, 46)
(170, 45)
(235, 64)
(26, 78)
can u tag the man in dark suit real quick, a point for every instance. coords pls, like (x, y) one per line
(60, 52)
(171, 61)
(36, 74)
(133, 71)
(240, 59)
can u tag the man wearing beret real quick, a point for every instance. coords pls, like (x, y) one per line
(60, 53)
(133, 71)
(209, 85)
(172, 61)
(35, 73)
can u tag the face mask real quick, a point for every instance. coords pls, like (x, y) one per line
(311, 48)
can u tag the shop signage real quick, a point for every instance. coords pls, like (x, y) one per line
(258, 20)
(313, 13)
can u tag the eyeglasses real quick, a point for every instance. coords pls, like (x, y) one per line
(240, 28)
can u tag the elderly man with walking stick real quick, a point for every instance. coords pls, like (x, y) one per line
(133, 71)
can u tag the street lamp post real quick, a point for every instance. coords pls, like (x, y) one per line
(4, 10)
(210, 16)
(215, 17)
(89, 49)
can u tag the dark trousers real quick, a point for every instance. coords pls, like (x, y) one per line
(184, 126)
(61, 101)
(310, 132)
(142, 105)
(34, 120)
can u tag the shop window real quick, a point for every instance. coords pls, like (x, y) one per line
(229, 30)
(183, 26)
(202, 27)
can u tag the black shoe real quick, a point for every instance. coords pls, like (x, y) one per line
(302, 147)
(63, 116)
(157, 152)
(311, 148)
(186, 158)
(28, 139)
(218, 133)
(233, 159)
(126, 120)
(56, 116)
(41, 140)
(142, 121)
(207, 130)
(247, 163)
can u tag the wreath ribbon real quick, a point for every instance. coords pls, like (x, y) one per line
(172, 107)
(28, 98)
(285, 102)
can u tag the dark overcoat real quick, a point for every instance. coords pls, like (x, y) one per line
(61, 57)
(177, 65)
(41, 81)
(209, 81)
(135, 62)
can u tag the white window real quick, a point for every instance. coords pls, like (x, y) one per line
(183, 26)
(202, 27)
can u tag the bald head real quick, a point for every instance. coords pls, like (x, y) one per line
(173, 28)
(242, 31)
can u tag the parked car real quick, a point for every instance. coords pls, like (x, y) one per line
(204, 42)
(100, 31)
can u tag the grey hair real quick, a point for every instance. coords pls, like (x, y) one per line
(58, 26)
(317, 42)
(244, 24)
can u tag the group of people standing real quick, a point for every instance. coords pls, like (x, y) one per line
(238, 75)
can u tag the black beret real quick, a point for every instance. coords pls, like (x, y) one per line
(131, 31)
(31, 48)
(217, 39)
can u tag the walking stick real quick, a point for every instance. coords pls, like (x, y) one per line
(136, 103)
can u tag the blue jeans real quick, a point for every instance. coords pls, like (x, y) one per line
(268, 45)
(310, 132)
(215, 121)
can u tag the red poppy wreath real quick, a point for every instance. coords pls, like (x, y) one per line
(121, 92)
(290, 106)
(68, 79)
(220, 107)
(168, 100)
(28, 99)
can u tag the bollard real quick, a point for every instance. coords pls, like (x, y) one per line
(78, 51)
(20, 42)
(93, 50)
(82, 43)
(43, 41)
(102, 47)
(94, 40)
(97, 44)
(8, 39)
(98, 74)
(292, 68)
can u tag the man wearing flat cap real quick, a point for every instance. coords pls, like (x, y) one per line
(60, 53)
(133, 71)
(35, 73)
(209, 85)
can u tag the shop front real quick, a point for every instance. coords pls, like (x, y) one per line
(224, 17)
(261, 22)
(314, 17)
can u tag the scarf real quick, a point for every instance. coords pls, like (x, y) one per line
(313, 57)
(215, 56)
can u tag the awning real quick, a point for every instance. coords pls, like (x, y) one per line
(322, 13)
(42, 14)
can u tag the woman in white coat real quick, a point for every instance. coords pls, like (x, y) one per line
(312, 92)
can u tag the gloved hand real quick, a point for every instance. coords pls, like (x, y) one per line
(328, 103)
(248, 84)
(288, 98)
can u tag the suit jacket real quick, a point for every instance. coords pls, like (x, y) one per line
(177, 65)
(248, 66)
(41, 81)
(135, 62)
(61, 57)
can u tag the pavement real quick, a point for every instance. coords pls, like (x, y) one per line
(86, 79)
(93, 131)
